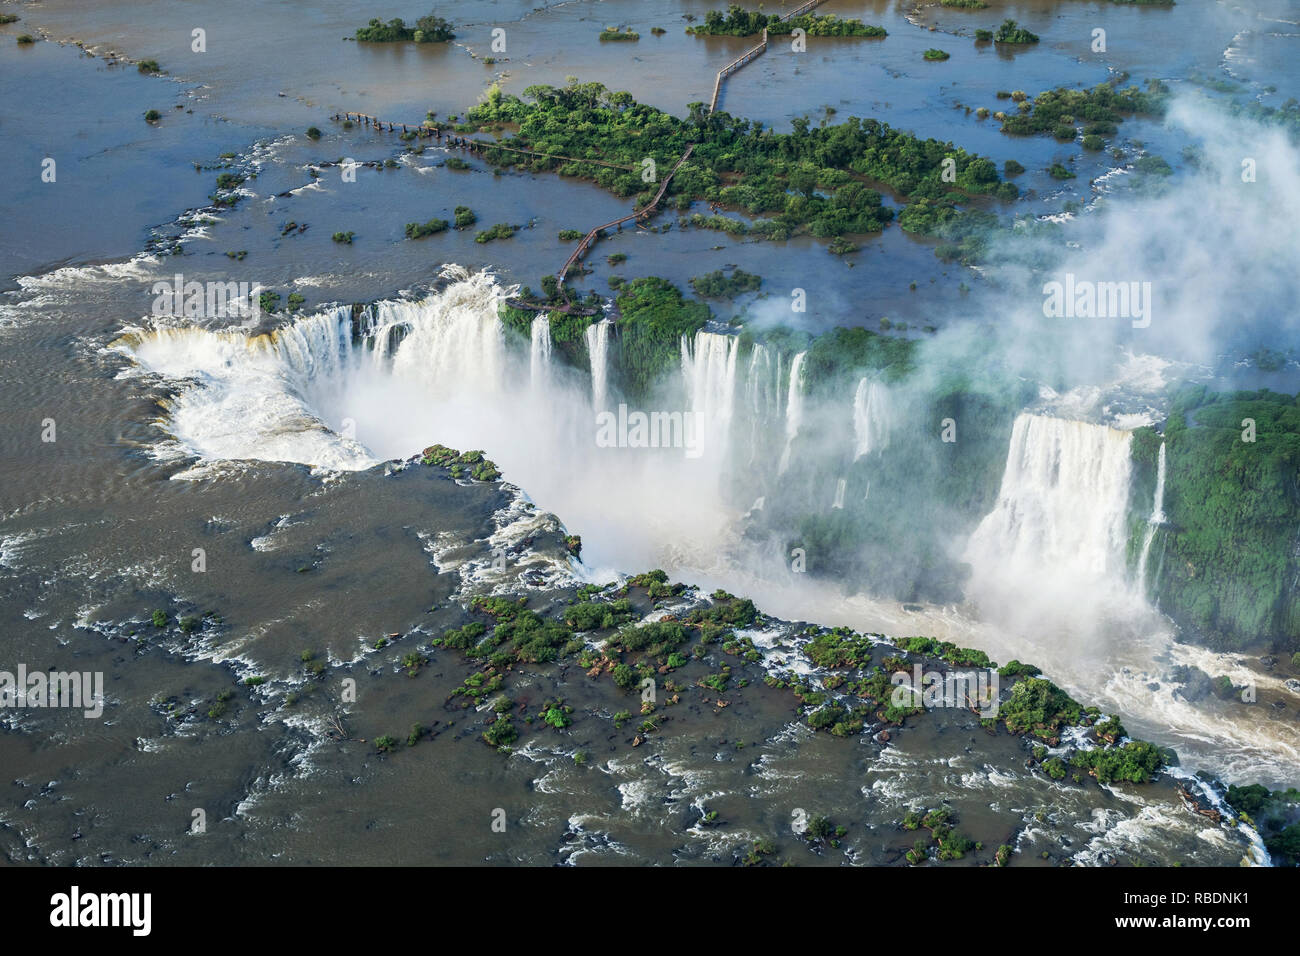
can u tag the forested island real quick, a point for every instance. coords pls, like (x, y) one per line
(813, 180)
(428, 29)
(739, 22)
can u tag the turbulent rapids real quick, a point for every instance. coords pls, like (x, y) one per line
(346, 389)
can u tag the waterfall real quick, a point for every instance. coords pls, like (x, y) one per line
(597, 336)
(383, 332)
(539, 353)
(871, 418)
(1155, 521)
(762, 394)
(1061, 509)
(455, 341)
(793, 410)
(709, 371)
(840, 487)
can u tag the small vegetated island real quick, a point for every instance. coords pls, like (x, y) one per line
(614, 33)
(719, 285)
(427, 29)
(1011, 32)
(739, 22)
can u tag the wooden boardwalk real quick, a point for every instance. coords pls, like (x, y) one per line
(754, 52)
(590, 238)
(421, 131)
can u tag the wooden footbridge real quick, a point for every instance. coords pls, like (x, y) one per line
(754, 52)
(435, 132)
(640, 216)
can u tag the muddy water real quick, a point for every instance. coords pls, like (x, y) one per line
(99, 528)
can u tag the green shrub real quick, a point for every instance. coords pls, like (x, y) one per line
(1009, 32)
(418, 230)
(465, 217)
(501, 732)
(500, 231)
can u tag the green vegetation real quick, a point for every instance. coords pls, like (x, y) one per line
(9, 18)
(23, 39)
(152, 116)
(427, 29)
(500, 231)
(343, 237)
(653, 318)
(983, 36)
(1099, 109)
(1057, 171)
(1275, 815)
(964, 4)
(455, 162)
(1009, 32)
(933, 54)
(1134, 762)
(569, 235)
(738, 22)
(1230, 555)
(313, 132)
(951, 843)
(465, 217)
(718, 285)
(1153, 164)
(807, 181)
(1038, 707)
(418, 230)
(148, 66)
(614, 33)
(159, 618)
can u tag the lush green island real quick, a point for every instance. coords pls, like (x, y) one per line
(1010, 32)
(719, 285)
(813, 180)
(614, 33)
(1098, 111)
(739, 22)
(427, 29)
